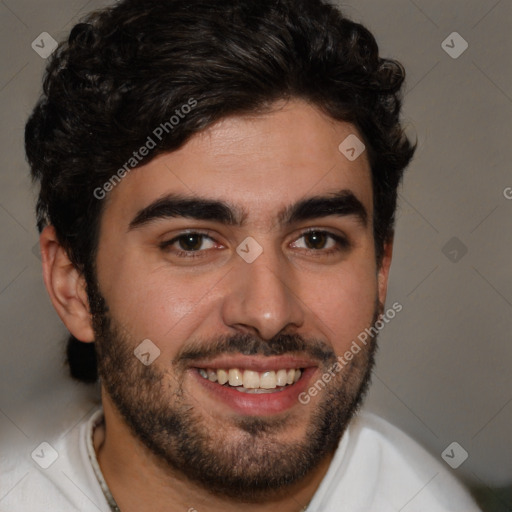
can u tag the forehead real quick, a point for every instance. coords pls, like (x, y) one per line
(260, 163)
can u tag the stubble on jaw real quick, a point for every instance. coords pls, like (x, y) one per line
(249, 461)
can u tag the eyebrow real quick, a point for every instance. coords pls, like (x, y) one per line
(342, 204)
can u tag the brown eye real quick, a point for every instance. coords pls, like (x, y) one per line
(189, 244)
(316, 239)
(190, 241)
(321, 242)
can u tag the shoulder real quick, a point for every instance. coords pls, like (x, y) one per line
(377, 467)
(52, 472)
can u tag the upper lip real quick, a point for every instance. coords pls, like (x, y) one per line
(255, 363)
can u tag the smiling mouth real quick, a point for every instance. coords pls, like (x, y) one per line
(249, 381)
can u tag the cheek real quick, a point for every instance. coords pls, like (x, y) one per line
(343, 303)
(162, 305)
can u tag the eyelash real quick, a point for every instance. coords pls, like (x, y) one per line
(342, 244)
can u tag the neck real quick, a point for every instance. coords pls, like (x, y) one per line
(138, 480)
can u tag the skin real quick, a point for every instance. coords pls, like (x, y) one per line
(153, 293)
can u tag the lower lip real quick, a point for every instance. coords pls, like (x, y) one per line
(254, 404)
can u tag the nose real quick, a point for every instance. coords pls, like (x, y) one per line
(261, 298)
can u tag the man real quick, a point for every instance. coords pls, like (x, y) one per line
(218, 186)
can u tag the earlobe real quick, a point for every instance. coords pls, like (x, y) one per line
(65, 286)
(383, 273)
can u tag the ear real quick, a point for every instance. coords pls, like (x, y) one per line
(66, 287)
(383, 271)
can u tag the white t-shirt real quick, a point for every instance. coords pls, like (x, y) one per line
(376, 468)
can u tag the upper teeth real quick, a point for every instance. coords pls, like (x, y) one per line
(250, 379)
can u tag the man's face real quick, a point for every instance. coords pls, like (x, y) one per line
(171, 273)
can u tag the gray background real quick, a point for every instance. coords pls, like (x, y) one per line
(443, 370)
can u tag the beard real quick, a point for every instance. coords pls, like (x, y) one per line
(249, 459)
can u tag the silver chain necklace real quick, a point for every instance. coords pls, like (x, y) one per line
(114, 507)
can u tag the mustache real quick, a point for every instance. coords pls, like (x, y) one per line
(249, 345)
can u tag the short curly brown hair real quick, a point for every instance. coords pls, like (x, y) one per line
(127, 69)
